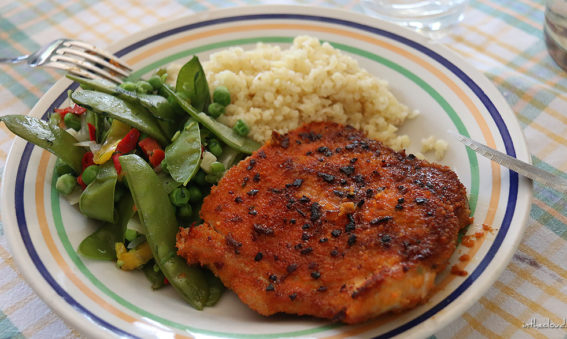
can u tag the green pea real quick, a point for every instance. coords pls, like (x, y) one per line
(214, 147)
(217, 168)
(195, 194)
(143, 86)
(221, 95)
(155, 81)
(241, 128)
(62, 168)
(184, 211)
(211, 179)
(179, 196)
(129, 86)
(130, 234)
(199, 178)
(66, 183)
(216, 110)
(89, 174)
(72, 121)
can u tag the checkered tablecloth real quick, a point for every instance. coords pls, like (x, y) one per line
(501, 38)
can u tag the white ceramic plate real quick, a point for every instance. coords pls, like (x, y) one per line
(100, 300)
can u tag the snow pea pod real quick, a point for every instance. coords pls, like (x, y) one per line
(216, 288)
(97, 200)
(97, 121)
(167, 182)
(223, 132)
(155, 278)
(157, 215)
(191, 80)
(156, 104)
(183, 155)
(230, 157)
(48, 136)
(129, 113)
(100, 244)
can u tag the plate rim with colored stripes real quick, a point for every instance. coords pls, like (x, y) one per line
(43, 232)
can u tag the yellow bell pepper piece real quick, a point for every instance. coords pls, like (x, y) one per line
(134, 258)
(118, 131)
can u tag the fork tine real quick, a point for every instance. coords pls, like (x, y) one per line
(76, 63)
(71, 69)
(96, 50)
(94, 59)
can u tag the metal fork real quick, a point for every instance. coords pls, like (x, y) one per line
(78, 58)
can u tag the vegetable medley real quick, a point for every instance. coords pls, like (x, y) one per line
(144, 148)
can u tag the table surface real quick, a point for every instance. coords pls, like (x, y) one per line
(501, 38)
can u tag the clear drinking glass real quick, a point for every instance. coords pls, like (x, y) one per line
(425, 16)
(555, 31)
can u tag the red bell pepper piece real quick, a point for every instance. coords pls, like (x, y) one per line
(156, 157)
(80, 182)
(152, 150)
(92, 132)
(148, 144)
(116, 162)
(87, 160)
(128, 143)
(62, 112)
(75, 109)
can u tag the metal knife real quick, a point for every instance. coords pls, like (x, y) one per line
(521, 167)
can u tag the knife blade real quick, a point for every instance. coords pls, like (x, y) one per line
(518, 166)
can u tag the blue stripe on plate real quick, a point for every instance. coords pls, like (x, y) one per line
(488, 104)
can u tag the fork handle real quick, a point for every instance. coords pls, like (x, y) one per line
(15, 60)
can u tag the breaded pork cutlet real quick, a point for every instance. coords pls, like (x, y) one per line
(323, 221)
